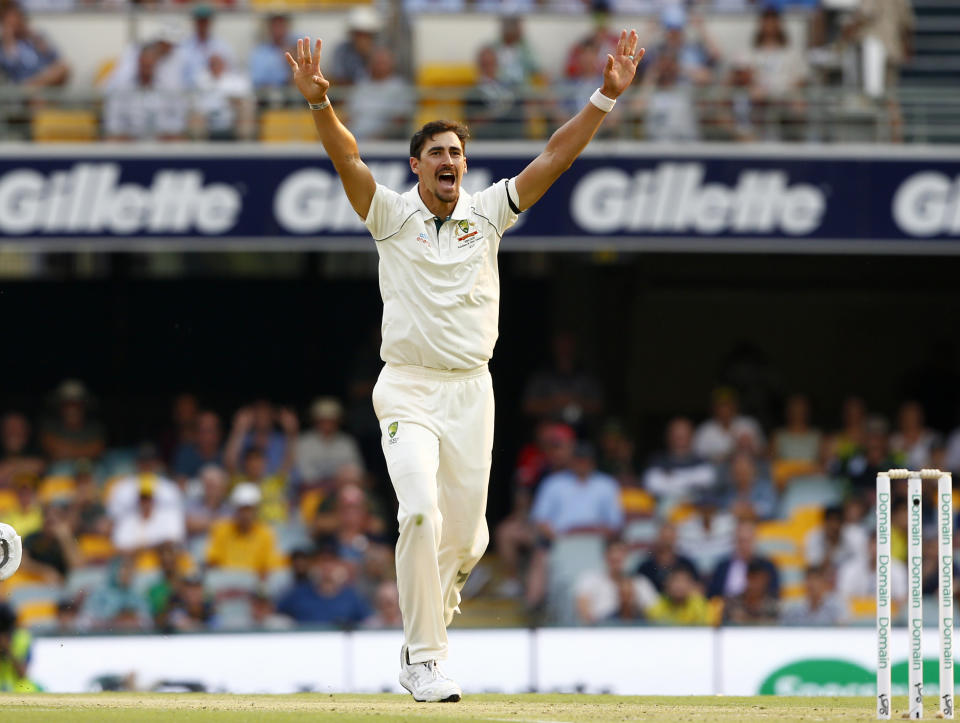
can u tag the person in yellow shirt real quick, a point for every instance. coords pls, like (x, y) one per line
(681, 603)
(242, 541)
(14, 654)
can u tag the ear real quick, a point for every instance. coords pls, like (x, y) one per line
(415, 166)
(464, 165)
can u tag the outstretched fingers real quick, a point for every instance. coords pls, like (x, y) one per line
(293, 63)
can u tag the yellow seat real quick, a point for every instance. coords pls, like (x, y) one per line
(56, 487)
(637, 502)
(51, 125)
(8, 500)
(286, 125)
(37, 612)
(95, 547)
(446, 75)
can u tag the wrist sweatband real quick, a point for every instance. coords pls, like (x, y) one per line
(319, 106)
(602, 102)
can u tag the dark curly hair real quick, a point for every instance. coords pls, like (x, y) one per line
(431, 129)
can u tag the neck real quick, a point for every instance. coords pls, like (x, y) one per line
(438, 208)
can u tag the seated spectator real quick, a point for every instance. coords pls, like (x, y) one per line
(779, 72)
(707, 535)
(665, 103)
(265, 616)
(580, 82)
(72, 435)
(612, 594)
(91, 515)
(180, 430)
(386, 606)
(602, 38)
(663, 558)
(617, 454)
(15, 654)
(861, 469)
(271, 430)
(27, 58)
(678, 473)
(857, 579)
(716, 437)
(834, 542)
(695, 59)
(730, 577)
(515, 56)
(354, 528)
(564, 392)
(268, 67)
(143, 109)
(27, 516)
(913, 440)
(322, 450)
(849, 441)
(351, 58)
(323, 595)
(748, 494)
(117, 606)
(123, 495)
(150, 523)
(19, 456)
(797, 441)
(491, 106)
(381, 104)
(161, 593)
(243, 542)
(191, 608)
(681, 603)
(820, 606)
(52, 551)
(224, 104)
(201, 46)
(203, 449)
(209, 503)
(169, 61)
(756, 605)
(273, 488)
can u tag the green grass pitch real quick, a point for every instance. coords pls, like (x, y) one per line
(530, 708)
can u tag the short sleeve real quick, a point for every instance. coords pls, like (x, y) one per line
(496, 204)
(387, 213)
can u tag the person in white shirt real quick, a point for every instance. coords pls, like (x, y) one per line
(716, 437)
(441, 295)
(199, 48)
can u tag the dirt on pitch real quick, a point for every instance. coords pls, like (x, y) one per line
(532, 708)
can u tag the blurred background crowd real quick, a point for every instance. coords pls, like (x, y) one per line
(715, 70)
(269, 517)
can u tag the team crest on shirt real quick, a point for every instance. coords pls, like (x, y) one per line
(469, 234)
(392, 431)
(423, 239)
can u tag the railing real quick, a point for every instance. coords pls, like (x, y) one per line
(720, 114)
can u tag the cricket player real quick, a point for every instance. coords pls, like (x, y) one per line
(441, 295)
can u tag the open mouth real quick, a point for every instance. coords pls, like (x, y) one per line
(447, 179)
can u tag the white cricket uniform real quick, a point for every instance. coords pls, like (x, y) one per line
(434, 397)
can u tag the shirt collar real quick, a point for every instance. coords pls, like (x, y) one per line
(460, 213)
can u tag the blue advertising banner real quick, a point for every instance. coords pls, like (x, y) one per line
(760, 199)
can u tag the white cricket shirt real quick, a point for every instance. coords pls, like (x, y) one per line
(440, 290)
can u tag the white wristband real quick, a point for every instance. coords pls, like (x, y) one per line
(319, 106)
(602, 102)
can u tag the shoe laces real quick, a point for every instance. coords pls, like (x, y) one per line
(428, 671)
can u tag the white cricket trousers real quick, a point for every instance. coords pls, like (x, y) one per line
(437, 437)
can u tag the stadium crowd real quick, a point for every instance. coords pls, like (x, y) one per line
(181, 83)
(264, 523)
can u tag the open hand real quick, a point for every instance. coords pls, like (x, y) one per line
(620, 68)
(306, 71)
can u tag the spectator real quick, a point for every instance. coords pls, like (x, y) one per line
(716, 437)
(150, 523)
(144, 109)
(15, 648)
(91, 515)
(202, 46)
(353, 531)
(243, 542)
(861, 469)
(161, 594)
(682, 602)
(564, 393)
(491, 106)
(52, 551)
(386, 604)
(27, 58)
(18, 455)
(797, 441)
(756, 605)
(666, 104)
(124, 493)
(849, 441)
(381, 104)
(730, 577)
(72, 435)
(857, 578)
(678, 473)
(707, 535)
(835, 542)
(209, 503)
(191, 609)
(664, 557)
(779, 72)
(117, 606)
(602, 38)
(322, 450)
(169, 61)
(224, 104)
(273, 488)
(203, 449)
(67, 619)
(913, 440)
(695, 59)
(183, 419)
(326, 596)
(265, 615)
(515, 58)
(257, 426)
(611, 594)
(617, 454)
(27, 516)
(268, 67)
(819, 606)
(351, 58)
(748, 494)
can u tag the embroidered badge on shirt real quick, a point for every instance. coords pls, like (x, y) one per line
(469, 234)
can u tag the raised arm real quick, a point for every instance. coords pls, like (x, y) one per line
(572, 137)
(337, 141)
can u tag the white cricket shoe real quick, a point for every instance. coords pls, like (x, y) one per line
(426, 682)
